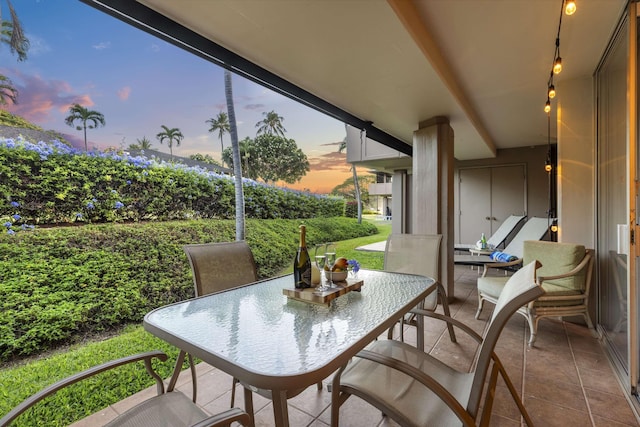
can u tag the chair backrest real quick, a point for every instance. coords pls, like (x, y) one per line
(556, 259)
(507, 226)
(520, 289)
(220, 266)
(414, 254)
(534, 229)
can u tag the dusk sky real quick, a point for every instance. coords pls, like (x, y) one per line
(138, 82)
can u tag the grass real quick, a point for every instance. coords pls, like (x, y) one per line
(88, 397)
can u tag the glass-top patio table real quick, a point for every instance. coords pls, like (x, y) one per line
(271, 342)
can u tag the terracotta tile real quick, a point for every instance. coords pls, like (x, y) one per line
(595, 380)
(593, 361)
(610, 406)
(546, 414)
(568, 395)
(607, 422)
(97, 419)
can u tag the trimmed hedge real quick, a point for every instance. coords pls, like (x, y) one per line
(60, 284)
(53, 183)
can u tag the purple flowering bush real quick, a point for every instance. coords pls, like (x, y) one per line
(52, 183)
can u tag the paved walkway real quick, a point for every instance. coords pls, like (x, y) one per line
(373, 247)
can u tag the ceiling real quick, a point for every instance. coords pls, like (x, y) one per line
(484, 64)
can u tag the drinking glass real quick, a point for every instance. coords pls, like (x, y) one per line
(320, 262)
(330, 253)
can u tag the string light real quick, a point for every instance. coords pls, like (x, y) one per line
(570, 7)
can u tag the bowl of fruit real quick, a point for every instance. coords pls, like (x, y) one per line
(338, 271)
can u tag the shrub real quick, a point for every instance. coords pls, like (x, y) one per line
(60, 284)
(54, 184)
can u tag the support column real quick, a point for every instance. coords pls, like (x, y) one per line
(432, 194)
(399, 206)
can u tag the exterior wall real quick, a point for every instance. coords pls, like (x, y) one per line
(576, 160)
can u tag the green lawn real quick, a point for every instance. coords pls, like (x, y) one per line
(80, 400)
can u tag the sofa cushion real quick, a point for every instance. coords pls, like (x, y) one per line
(557, 258)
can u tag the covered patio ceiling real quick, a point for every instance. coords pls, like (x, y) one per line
(484, 64)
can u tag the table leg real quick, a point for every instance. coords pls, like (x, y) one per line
(280, 410)
(248, 405)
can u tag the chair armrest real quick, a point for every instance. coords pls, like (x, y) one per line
(225, 419)
(473, 334)
(423, 378)
(585, 262)
(53, 388)
(500, 265)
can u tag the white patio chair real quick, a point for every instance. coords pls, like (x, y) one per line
(417, 254)
(168, 408)
(415, 389)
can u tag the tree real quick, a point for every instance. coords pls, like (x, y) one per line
(237, 168)
(170, 135)
(141, 144)
(279, 158)
(220, 124)
(12, 34)
(271, 124)
(356, 184)
(84, 115)
(204, 158)
(247, 156)
(7, 91)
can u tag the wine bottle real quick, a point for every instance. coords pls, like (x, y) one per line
(483, 241)
(302, 263)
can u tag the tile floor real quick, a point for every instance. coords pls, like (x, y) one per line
(566, 379)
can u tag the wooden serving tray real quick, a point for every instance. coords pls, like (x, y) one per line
(314, 296)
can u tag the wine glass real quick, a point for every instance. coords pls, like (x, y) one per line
(320, 263)
(330, 253)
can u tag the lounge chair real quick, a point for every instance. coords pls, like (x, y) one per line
(498, 238)
(534, 229)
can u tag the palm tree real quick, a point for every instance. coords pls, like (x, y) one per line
(341, 148)
(271, 124)
(170, 135)
(11, 33)
(78, 112)
(144, 143)
(7, 90)
(237, 167)
(221, 125)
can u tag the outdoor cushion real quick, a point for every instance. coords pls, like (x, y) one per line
(566, 256)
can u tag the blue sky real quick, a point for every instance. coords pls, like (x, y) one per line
(138, 82)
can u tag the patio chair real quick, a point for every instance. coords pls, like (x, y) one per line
(415, 389)
(534, 229)
(498, 238)
(217, 267)
(168, 408)
(417, 254)
(565, 277)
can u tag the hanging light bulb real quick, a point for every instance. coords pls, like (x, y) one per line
(547, 166)
(570, 7)
(547, 106)
(552, 91)
(557, 65)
